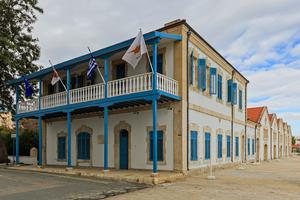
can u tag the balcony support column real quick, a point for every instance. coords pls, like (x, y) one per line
(68, 84)
(40, 161)
(106, 65)
(154, 110)
(17, 126)
(40, 93)
(69, 139)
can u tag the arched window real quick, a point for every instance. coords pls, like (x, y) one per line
(83, 146)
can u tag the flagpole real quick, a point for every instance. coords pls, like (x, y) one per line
(97, 67)
(148, 54)
(58, 76)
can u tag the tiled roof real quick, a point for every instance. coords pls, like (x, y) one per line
(270, 116)
(254, 114)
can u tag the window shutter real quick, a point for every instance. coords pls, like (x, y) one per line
(236, 146)
(219, 86)
(229, 90)
(219, 146)
(234, 93)
(202, 74)
(192, 68)
(228, 146)
(248, 146)
(213, 81)
(240, 99)
(194, 148)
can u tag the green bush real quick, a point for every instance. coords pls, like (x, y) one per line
(28, 139)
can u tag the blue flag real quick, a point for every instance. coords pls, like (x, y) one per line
(28, 88)
(92, 66)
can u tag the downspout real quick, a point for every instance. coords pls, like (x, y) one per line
(271, 138)
(232, 109)
(246, 117)
(187, 98)
(255, 142)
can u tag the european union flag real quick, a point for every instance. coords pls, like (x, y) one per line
(28, 89)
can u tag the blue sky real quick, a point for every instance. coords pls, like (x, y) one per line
(260, 38)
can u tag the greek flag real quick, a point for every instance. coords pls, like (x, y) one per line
(92, 66)
(28, 89)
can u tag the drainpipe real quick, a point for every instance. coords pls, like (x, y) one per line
(245, 121)
(255, 141)
(187, 98)
(271, 138)
(232, 110)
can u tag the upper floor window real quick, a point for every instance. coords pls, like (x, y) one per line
(219, 96)
(120, 71)
(240, 99)
(160, 63)
(213, 80)
(231, 92)
(202, 74)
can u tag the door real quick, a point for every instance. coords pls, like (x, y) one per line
(120, 73)
(123, 149)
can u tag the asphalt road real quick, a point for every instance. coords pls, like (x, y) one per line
(17, 185)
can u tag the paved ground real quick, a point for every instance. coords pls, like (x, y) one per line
(279, 179)
(15, 185)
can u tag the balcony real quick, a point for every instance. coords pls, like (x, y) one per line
(121, 87)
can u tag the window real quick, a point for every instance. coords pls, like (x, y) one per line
(228, 146)
(253, 147)
(120, 72)
(194, 149)
(83, 146)
(61, 147)
(219, 96)
(80, 81)
(213, 81)
(240, 99)
(160, 63)
(219, 146)
(202, 74)
(207, 146)
(160, 146)
(229, 88)
(248, 146)
(236, 146)
(192, 68)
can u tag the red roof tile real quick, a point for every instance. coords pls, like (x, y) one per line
(254, 114)
(270, 116)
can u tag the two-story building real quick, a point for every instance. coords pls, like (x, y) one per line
(186, 112)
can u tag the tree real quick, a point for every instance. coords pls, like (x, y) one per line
(293, 140)
(18, 48)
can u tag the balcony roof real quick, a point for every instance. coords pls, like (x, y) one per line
(99, 53)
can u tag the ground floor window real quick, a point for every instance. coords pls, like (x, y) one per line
(228, 146)
(194, 145)
(160, 145)
(253, 147)
(207, 146)
(83, 146)
(219, 145)
(248, 146)
(237, 146)
(61, 147)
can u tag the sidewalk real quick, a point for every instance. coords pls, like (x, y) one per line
(136, 176)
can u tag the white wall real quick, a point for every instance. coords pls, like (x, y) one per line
(139, 123)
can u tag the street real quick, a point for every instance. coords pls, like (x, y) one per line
(18, 185)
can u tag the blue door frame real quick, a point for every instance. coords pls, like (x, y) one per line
(123, 149)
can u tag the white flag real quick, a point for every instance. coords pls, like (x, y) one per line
(55, 77)
(136, 50)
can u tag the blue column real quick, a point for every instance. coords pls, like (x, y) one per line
(69, 139)
(40, 162)
(154, 63)
(17, 125)
(106, 63)
(40, 93)
(154, 108)
(17, 141)
(68, 84)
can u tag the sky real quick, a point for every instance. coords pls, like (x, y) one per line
(261, 38)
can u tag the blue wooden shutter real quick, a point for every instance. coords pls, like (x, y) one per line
(219, 86)
(192, 68)
(236, 146)
(160, 146)
(213, 81)
(202, 74)
(194, 148)
(240, 99)
(229, 90)
(219, 146)
(228, 146)
(248, 146)
(207, 146)
(234, 93)
(61, 147)
(252, 146)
